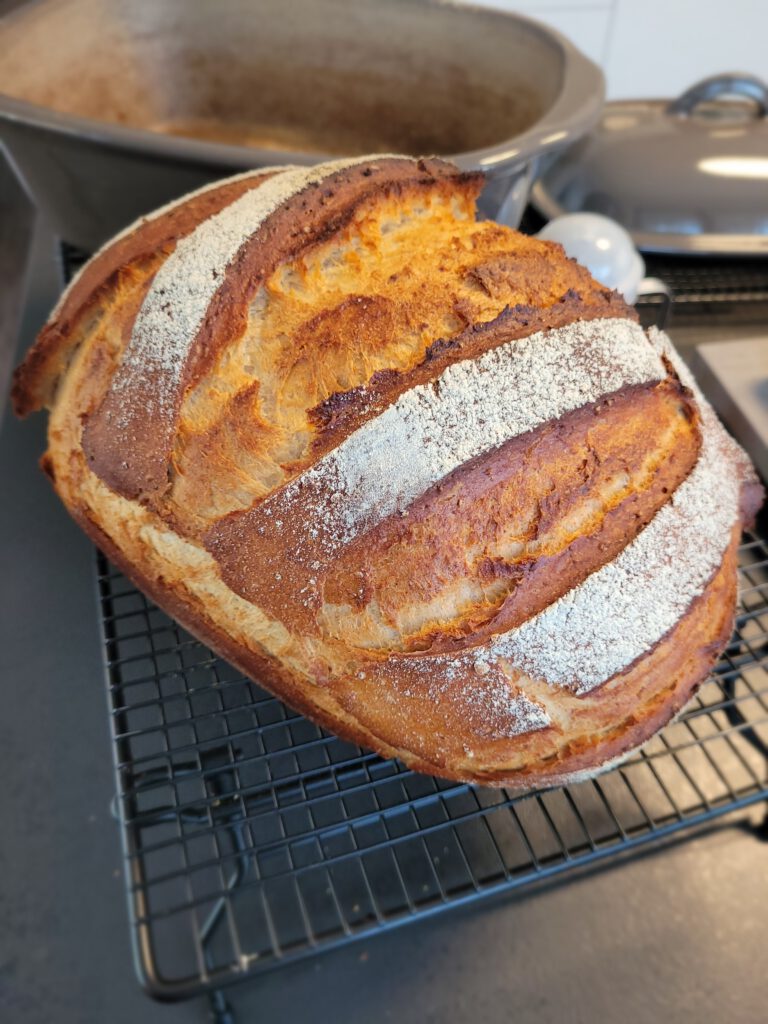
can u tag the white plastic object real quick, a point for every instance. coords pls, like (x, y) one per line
(602, 246)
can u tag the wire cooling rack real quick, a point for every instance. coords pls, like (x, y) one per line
(253, 837)
(727, 292)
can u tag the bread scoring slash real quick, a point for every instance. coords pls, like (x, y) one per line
(418, 474)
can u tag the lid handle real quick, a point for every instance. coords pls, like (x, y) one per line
(722, 85)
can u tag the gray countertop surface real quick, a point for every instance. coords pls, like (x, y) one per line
(679, 934)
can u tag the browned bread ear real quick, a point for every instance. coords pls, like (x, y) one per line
(420, 474)
(140, 249)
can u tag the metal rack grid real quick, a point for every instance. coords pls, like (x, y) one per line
(712, 279)
(253, 837)
(724, 291)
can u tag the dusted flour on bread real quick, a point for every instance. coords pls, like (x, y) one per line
(418, 474)
(473, 406)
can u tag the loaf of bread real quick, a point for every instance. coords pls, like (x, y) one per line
(417, 474)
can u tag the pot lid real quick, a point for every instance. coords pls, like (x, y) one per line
(690, 175)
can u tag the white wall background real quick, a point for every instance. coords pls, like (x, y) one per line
(658, 47)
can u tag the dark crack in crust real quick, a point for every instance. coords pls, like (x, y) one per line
(344, 412)
(303, 221)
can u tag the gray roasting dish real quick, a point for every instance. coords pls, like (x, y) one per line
(109, 109)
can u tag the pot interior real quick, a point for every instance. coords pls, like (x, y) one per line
(312, 76)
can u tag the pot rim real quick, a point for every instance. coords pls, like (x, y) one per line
(575, 110)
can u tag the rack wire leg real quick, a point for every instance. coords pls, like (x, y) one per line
(220, 1012)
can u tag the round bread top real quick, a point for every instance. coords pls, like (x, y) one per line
(448, 469)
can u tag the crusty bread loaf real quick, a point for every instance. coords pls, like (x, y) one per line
(419, 475)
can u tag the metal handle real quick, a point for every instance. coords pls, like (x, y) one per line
(722, 85)
(653, 288)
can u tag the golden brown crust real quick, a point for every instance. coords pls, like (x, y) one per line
(386, 636)
(147, 456)
(301, 223)
(607, 724)
(540, 514)
(255, 664)
(683, 659)
(535, 534)
(403, 720)
(344, 412)
(35, 379)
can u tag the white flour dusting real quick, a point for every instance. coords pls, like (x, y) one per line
(503, 710)
(498, 708)
(623, 609)
(474, 406)
(149, 219)
(178, 299)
